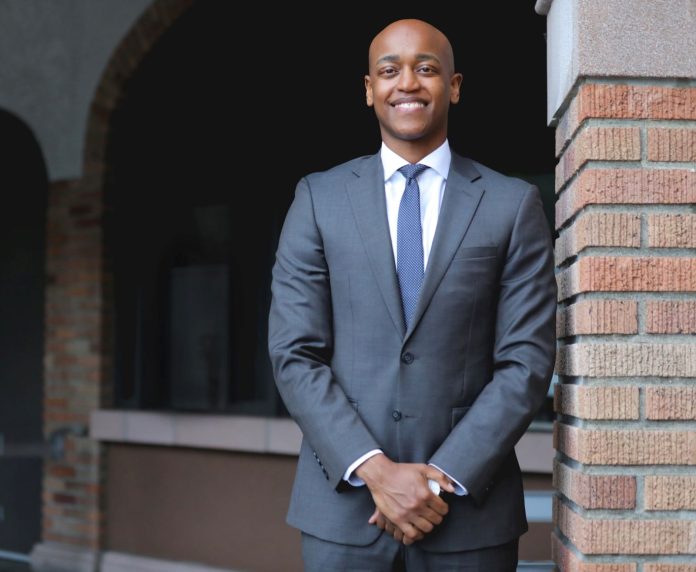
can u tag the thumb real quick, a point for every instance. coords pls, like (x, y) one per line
(440, 478)
(373, 518)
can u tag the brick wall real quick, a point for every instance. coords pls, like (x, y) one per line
(625, 472)
(73, 362)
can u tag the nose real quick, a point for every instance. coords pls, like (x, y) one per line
(408, 80)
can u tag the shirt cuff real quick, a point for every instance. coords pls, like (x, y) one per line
(350, 477)
(459, 488)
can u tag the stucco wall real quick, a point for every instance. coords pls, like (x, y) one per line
(52, 55)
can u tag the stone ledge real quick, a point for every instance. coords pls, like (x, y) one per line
(122, 562)
(227, 432)
(269, 435)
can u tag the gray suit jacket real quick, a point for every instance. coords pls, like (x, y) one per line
(458, 388)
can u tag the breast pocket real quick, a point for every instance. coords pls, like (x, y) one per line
(475, 265)
(469, 252)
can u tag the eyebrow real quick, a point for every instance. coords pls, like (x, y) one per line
(419, 57)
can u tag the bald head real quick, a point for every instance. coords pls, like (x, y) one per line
(411, 32)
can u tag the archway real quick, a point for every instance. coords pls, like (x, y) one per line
(22, 280)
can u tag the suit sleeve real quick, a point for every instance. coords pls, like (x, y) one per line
(300, 343)
(523, 357)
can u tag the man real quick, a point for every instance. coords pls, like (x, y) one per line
(412, 335)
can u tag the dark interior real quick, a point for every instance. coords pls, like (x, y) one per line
(213, 134)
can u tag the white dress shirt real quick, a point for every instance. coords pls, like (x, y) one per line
(431, 184)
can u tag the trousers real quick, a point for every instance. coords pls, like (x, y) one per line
(388, 555)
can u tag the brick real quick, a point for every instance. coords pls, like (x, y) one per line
(683, 567)
(626, 447)
(76, 513)
(567, 126)
(628, 274)
(598, 144)
(61, 471)
(598, 229)
(595, 491)
(670, 492)
(672, 231)
(626, 187)
(595, 402)
(621, 101)
(51, 536)
(677, 403)
(568, 561)
(626, 359)
(600, 536)
(61, 498)
(671, 144)
(598, 317)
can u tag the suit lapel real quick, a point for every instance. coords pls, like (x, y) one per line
(459, 203)
(368, 201)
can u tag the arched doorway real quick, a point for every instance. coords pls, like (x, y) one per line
(192, 215)
(22, 278)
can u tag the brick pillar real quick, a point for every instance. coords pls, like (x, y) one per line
(74, 364)
(625, 472)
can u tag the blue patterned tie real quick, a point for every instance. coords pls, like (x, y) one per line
(409, 242)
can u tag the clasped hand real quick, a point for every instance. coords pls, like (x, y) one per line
(405, 506)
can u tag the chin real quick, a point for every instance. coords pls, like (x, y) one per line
(413, 134)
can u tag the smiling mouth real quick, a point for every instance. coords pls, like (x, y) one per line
(409, 105)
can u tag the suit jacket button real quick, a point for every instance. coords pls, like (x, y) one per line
(407, 357)
(396, 415)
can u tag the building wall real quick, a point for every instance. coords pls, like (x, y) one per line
(223, 509)
(218, 508)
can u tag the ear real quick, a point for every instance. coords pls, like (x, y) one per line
(368, 91)
(455, 85)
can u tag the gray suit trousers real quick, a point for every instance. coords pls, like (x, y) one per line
(387, 555)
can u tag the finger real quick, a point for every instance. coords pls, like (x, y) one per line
(373, 518)
(381, 522)
(438, 505)
(434, 515)
(440, 478)
(423, 525)
(411, 534)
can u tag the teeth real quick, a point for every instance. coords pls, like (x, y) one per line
(410, 105)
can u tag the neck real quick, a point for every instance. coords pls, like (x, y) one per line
(412, 151)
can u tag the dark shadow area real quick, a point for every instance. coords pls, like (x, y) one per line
(24, 182)
(208, 145)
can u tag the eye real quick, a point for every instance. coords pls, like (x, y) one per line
(388, 71)
(426, 69)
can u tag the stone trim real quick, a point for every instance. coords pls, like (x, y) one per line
(270, 435)
(123, 562)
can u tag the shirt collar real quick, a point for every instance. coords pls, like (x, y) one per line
(439, 160)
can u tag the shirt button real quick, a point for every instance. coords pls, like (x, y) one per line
(396, 415)
(407, 357)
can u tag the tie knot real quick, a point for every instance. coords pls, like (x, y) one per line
(412, 171)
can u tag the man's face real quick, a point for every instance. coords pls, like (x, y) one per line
(411, 83)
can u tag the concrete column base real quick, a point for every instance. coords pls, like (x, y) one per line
(60, 557)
